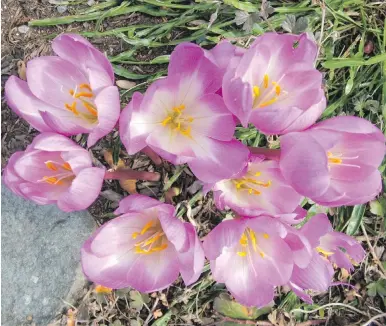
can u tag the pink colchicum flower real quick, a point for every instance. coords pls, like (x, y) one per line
(275, 85)
(335, 162)
(183, 120)
(259, 188)
(54, 170)
(259, 254)
(146, 248)
(70, 93)
(329, 247)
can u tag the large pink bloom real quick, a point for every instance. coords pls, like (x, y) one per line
(330, 247)
(54, 170)
(335, 162)
(275, 85)
(70, 93)
(183, 120)
(260, 188)
(251, 256)
(146, 248)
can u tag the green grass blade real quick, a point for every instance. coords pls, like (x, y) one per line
(355, 219)
(353, 62)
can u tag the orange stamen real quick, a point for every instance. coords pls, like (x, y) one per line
(90, 108)
(50, 165)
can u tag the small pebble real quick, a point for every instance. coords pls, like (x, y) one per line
(90, 2)
(61, 9)
(23, 29)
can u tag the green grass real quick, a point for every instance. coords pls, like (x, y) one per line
(355, 84)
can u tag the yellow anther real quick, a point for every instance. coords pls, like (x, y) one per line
(84, 94)
(257, 174)
(256, 91)
(266, 236)
(86, 86)
(266, 81)
(50, 165)
(135, 235)
(243, 240)
(277, 88)
(52, 180)
(335, 160)
(178, 126)
(147, 226)
(72, 92)
(187, 132)
(66, 166)
(166, 120)
(160, 248)
(139, 250)
(103, 289)
(324, 252)
(153, 239)
(242, 253)
(262, 254)
(90, 108)
(262, 105)
(72, 108)
(190, 119)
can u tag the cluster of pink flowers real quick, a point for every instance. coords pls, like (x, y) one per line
(190, 117)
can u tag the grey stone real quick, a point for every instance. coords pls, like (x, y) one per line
(40, 259)
(61, 9)
(23, 29)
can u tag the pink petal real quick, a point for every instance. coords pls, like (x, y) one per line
(242, 280)
(21, 100)
(307, 172)
(212, 163)
(136, 203)
(121, 270)
(315, 228)
(79, 51)
(133, 133)
(51, 78)
(300, 293)
(212, 118)
(191, 261)
(51, 142)
(10, 176)
(226, 54)
(351, 124)
(64, 122)
(225, 235)
(189, 59)
(78, 160)
(108, 106)
(316, 276)
(300, 247)
(42, 193)
(83, 191)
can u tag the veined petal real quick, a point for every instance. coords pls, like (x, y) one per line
(192, 260)
(307, 172)
(316, 276)
(52, 142)
(133, 129)
(21, 100)
(80, 52)
(212, 159)
(65, 123)
(136, 203)
(51, 78)
(108, 105)
(10, 176)
(224, 235)
(315, 228)
(83, 191)
(189, 59)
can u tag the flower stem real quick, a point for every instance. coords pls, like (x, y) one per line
(271, 154)
(152, 155)
(126, 174)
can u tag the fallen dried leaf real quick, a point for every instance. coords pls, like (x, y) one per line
(125, 84)
(21, 70)
(157, 314)
(129, 185)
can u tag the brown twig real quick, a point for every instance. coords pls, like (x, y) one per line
(272, 154)
(152, 155)
(373, 253)
(125, 174)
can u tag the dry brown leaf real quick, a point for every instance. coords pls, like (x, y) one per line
(129, 185)
(125, 84)
(344, 274)
(103, 289)
(157, 313)
(108, 156)
(164, 300)
(21, 70)
(70, 318)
